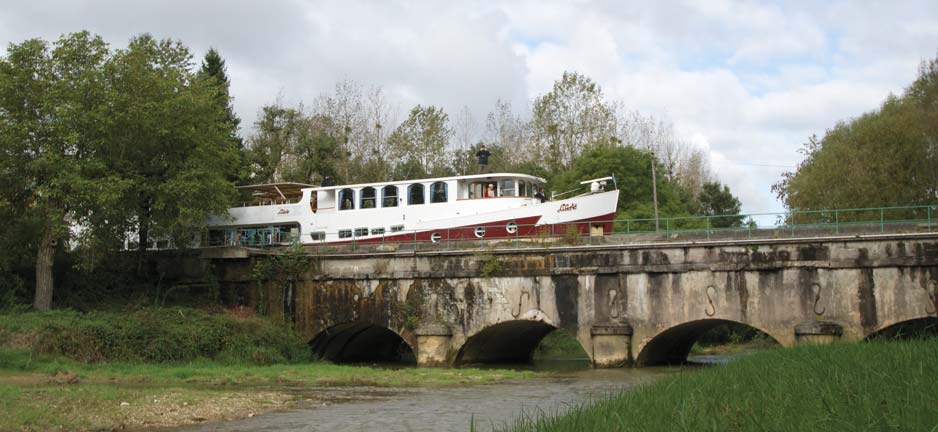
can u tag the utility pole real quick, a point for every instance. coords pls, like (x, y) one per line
(654, 187)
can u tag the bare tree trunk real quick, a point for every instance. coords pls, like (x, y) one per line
(44, 277)
(143, 234)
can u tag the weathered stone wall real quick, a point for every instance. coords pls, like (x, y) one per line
(641, 304)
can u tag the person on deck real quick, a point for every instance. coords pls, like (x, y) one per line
(483, 155)
(540, 195)
(328, 181)
(490, 191)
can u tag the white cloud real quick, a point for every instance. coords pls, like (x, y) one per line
(749, 81)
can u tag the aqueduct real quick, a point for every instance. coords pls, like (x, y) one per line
(626, 304)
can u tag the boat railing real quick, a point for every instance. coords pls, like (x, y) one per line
(623, 231)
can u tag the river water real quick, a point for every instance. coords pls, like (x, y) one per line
(451, 408)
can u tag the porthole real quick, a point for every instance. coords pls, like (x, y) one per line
(480, 232)
(511, 227)
(435, 237)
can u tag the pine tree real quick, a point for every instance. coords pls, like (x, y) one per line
(214, 69)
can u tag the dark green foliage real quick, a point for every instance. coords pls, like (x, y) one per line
(886, 386)
(179, 174)
(155, 335)
(214, 71)
(112, 141)
(632, 170)
(716, 201)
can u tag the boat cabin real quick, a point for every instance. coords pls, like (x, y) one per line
(282, 213)
(425, 191)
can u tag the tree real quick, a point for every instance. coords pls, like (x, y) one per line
(886, 157)
(215, 72)
(571, 118)
(314, 153)
(53, 138)
(271, 147)
(630, 166)
(505, 130)
(715, 200)
(171, 139)
(419, 142)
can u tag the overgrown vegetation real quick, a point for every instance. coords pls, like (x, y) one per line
(489, 264)
(886, 386)
(559, 344)
(284, 268)
(153, 335)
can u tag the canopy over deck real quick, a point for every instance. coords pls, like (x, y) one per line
(276, 190)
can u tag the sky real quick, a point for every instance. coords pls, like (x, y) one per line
(748, 82)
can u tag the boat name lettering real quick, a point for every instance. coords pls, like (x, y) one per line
(283, 211)
(566, 207)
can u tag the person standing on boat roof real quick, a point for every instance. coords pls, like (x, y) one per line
(483, 155)
(328, 181)
(540, 195)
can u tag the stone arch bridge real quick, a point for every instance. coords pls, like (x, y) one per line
(626, 304)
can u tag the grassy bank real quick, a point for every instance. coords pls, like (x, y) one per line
(153, 335)
(169, 367)
(890, 386)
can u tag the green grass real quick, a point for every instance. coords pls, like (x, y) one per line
(209, 373)
(881, 386)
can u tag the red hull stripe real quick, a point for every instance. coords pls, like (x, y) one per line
(523, 227)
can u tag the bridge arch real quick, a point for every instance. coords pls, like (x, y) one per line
(674, 344)
(361, 341)
(506, 342)
(927, 325)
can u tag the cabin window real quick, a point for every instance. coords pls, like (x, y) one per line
(507, 187)
(389, 196)
(476, 190)
(397, 228)
(318, 236)
(368, 198)
(415, 194)
(438, 192)
(345, 233)
(377, 231)
(361, 232)
(346, 199)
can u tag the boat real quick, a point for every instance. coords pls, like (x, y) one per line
(467, 207)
